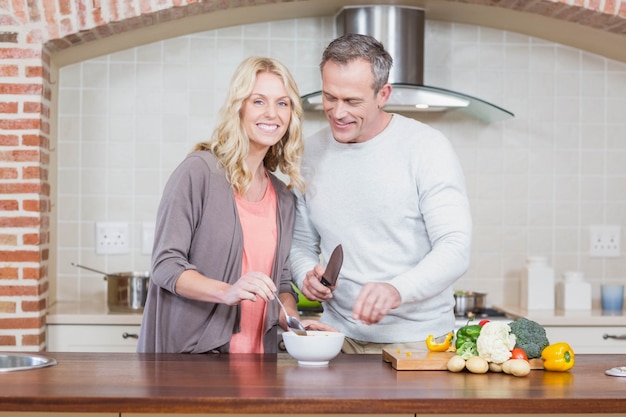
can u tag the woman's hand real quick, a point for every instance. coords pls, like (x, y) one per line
(193, 285)
(249, 287)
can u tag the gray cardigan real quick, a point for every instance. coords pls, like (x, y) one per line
(198, 228)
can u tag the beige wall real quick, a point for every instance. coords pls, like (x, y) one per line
(536, 182)
(39, 36)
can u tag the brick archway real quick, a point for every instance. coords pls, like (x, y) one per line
(34, 32)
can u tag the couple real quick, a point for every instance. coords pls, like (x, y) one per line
(230, 236)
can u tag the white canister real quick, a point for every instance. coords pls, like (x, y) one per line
(537, 284)
(573, 293)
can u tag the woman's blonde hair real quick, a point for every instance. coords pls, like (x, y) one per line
(230, 143)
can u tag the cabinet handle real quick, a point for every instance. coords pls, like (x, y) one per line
(616, 337)
(127, 335)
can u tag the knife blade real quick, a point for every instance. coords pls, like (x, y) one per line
(333, 267)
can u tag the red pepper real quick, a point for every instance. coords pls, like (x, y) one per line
(483, 322)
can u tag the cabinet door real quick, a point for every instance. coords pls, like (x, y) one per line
(589, 339)
(92, 338)
(49, 414)
(265, 415)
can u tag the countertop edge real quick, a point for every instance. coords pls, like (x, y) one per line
(88, 314)
(572, 318)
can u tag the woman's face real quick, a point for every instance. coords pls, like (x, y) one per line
(267, 112)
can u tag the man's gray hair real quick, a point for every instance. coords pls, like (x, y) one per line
(352, 46)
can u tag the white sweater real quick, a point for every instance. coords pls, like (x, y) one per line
(397, 203)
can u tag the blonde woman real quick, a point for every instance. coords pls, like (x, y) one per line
(225, 223)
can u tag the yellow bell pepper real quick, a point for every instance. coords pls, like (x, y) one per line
(433, 346)
(558, 357)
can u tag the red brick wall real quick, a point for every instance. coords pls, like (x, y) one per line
(32, 30)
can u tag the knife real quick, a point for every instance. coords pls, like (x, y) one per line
(333, 267)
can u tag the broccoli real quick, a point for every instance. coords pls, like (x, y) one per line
(467, 350)
(531, 337)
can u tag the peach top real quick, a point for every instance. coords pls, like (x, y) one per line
(258, 221)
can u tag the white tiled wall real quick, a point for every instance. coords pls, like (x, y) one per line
(536, 182)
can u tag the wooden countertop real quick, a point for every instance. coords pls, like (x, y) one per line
(275, 384)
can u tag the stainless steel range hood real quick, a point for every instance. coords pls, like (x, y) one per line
(401, 30)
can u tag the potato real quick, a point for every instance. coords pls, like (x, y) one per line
(456, 364)
(477, 365)
(495, 367)
(516, 367)
(519, 367)
(506, 367)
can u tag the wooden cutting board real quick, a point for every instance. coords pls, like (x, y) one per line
(424, 360)
(417, 360)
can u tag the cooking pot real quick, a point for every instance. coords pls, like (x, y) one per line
(469, 302)
(127, 291)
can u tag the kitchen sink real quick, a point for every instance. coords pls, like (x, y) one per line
(23, 361)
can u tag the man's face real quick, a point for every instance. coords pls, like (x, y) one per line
(351, 107)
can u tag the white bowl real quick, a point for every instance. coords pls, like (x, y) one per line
(317, 348)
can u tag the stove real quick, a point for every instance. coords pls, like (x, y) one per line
(486, 314)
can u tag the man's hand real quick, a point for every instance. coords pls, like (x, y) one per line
(313, 289)
(375, 301)
(318, 325)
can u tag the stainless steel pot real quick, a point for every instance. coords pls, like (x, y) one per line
(469, 302)
(127, 291)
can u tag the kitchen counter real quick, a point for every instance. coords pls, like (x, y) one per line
(88, 313)
(98, 313)
(275, 384)
(558, 317)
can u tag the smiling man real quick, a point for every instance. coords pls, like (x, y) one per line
(389, 189)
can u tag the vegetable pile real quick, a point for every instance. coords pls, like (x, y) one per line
(500, 347)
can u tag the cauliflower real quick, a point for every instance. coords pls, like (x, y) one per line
(495, 342)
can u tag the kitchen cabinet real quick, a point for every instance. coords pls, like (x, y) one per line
(265, 415)
(326, 415)
(47, 414)
(589, 339)
(583, 330)
(92, 338)
(90, 327)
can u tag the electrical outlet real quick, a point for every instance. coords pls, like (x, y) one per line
(112, 238)
(147, 238)
(605, 241)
